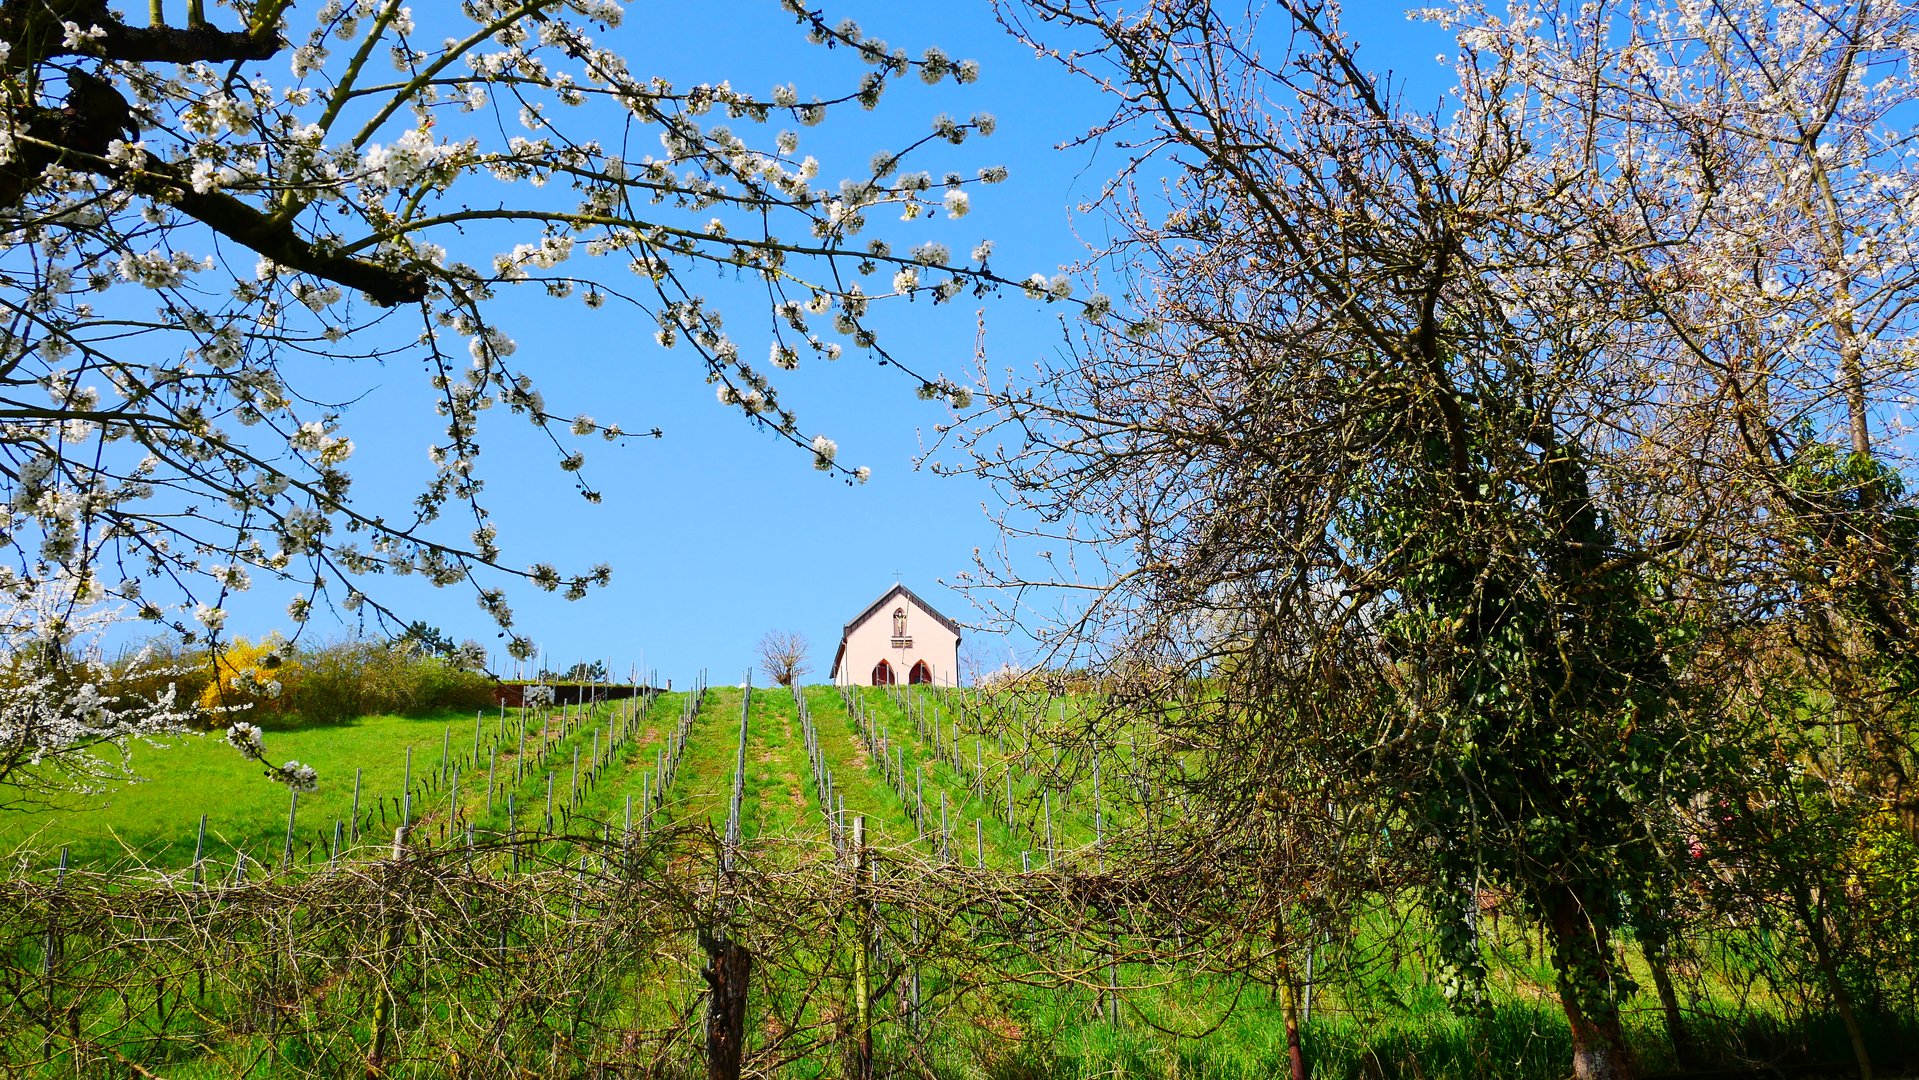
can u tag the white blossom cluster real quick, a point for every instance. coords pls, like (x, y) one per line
(68, 717)
(246, 738)
(1751, 165)
(367, 193)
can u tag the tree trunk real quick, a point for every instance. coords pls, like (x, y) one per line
(1582, 957)
(1829, 970)
(1683, 1053)
(728, 968)
(1295, 1052)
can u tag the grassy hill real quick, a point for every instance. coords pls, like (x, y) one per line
(947, 783)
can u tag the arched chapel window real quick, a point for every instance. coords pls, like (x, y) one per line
(899, 622)
(920, 674)
(883, 674)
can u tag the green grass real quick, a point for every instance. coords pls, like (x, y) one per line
(155, 821)
(857, 775)
(704, 784)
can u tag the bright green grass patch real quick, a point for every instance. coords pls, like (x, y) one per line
(155, 821)
(778, 780)
(705, 780)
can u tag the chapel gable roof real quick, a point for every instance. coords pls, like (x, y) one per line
(887, 598)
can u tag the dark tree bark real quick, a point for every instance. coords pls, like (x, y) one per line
(78, 138)
(79, 135)
(1295, 1051)
(1684, 1054)
(1582, 958)
(37, 25)
(1828, 962)
(729, 969)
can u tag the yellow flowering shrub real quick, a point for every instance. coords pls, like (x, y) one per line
(256, 673)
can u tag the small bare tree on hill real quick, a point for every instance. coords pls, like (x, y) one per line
(783, 656)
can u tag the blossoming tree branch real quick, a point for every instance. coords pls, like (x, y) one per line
(194, 210)
(199, 206)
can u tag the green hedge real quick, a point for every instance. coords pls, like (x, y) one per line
(344, 680)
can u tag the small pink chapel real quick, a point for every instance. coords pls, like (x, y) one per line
(899, 638)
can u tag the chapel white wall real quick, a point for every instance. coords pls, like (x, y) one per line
(872, 641)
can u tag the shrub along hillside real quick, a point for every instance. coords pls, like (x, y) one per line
(280, 685)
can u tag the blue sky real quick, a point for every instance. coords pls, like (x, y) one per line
(718, 533)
